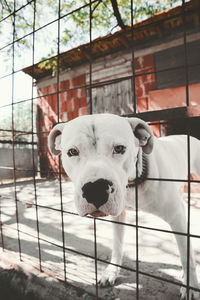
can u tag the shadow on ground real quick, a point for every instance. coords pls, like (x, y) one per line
(43, 241)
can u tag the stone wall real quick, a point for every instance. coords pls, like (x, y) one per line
(23, 163)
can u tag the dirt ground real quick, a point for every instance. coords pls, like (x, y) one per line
(158, 253)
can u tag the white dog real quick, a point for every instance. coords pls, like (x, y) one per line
(102, 153)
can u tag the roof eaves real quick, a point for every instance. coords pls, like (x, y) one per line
(157, 25)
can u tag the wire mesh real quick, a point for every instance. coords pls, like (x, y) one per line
(161, 117)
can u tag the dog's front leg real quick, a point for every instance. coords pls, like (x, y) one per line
(111, 272)
(179, 224)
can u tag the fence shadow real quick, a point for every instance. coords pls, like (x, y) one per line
(79, 251)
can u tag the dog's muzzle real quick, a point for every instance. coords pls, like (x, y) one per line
(97, 192)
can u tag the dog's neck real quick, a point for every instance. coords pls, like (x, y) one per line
(142, 167)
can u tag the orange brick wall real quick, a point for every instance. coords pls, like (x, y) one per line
(145, 83)
(72, 103)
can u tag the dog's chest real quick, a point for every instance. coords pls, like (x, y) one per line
(146, 198)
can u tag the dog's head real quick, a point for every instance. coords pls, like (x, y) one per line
(99, 153)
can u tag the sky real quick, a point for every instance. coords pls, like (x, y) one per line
(22, 88)
(44, 45)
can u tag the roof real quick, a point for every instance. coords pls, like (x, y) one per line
(156, 26)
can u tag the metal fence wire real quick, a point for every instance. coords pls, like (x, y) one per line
(163, 118)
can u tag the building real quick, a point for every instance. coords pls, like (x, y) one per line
(163, 64)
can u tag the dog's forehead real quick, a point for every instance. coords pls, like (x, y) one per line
(97, 127)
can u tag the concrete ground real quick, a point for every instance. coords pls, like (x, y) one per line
(158, 254)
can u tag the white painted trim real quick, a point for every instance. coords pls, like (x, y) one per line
(174, 43)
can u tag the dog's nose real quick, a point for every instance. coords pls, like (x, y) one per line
(97, 192)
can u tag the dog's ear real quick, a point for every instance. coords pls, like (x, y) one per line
(143, 133)
(54, 139)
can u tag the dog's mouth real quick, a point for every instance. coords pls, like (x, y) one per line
(98, 214)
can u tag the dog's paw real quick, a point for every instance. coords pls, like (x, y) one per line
(109, 276)
(193, 295)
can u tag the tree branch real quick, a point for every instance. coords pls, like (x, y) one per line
(96, 5)
(117, 14)
(8, 7)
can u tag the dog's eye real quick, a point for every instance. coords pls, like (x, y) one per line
(72, 152)
(119, 149)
